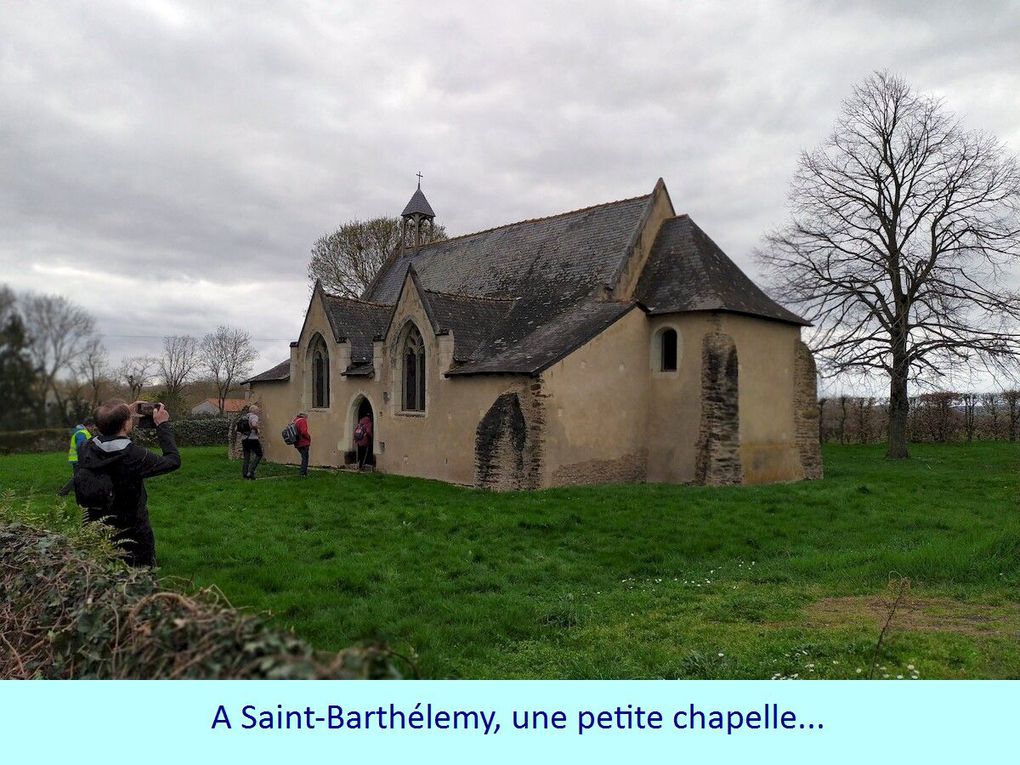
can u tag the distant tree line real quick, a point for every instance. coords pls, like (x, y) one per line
(935, 417)
(54, 368)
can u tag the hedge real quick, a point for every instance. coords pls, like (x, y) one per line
(193, 431)
(66, 612)
(43, 440)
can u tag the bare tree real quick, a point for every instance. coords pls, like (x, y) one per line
(939, 417)
(990, 403)
(178, 363)
(93, 367)
(865, 405)
(970, 402)
(1012, 399)
(137, 372)
(228, 355)
(903, 224)
(844, 412)
(59, 334)
(346, 260)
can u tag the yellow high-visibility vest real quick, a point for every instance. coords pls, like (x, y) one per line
(72, 451)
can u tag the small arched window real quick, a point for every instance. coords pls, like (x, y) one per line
(667, 351)
(414, 371)
(320, 374)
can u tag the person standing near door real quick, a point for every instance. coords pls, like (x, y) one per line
(363, 439)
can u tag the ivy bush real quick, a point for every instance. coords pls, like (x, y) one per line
(69, 608)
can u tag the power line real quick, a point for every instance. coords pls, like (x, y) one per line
(160, 337)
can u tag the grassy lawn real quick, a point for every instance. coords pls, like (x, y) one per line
(612, 582)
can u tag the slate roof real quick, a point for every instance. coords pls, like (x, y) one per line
(418, 204)
(472, 320)
(279, 373)
(686, 271)
(520, 297)
(575, 251)
(357, 322)
(549, 343)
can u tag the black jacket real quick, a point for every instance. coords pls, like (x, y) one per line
(120, 499)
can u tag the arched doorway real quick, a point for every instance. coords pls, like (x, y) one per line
(361, 407)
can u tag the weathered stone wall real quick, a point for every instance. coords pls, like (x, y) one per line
(805, 411)
(718, 456)
(508, 441)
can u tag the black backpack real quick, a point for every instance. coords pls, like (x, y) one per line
(93, 490)
(290, 434)
(244, 425)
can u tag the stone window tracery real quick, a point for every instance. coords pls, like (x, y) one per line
(320, 373)
(414, 371)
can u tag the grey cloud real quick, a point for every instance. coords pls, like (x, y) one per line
(207, 145)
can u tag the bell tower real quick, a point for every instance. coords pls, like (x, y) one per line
(416, 215)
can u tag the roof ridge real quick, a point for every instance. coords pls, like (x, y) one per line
(356, 300)
(471, 297)
(532, 220)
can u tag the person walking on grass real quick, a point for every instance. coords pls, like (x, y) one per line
(81, 436)
(363, 439)
(304, 440)
(248, 427)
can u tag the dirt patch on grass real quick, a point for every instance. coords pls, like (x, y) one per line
(917, 614)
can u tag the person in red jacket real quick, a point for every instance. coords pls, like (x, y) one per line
(304, 440)
(363, 439)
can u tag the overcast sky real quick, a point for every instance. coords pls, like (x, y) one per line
(169, 164)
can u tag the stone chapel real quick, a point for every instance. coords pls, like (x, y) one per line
(616, 343)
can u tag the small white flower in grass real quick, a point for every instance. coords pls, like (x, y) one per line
(885, 676)
(899, 677)
(810, 665)
(914, 677)
(722, 654)
(859, 670)
(910, 666)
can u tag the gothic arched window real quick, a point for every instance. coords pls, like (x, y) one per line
(414, 371)
(320, 373)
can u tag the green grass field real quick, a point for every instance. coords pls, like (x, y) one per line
(615, 582)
